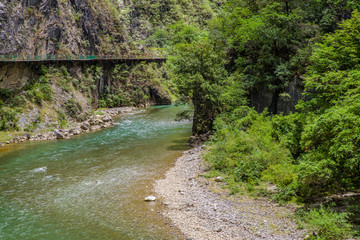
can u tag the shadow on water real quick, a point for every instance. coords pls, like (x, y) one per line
(179, 145)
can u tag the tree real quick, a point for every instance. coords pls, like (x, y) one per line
(332, 134)
(198, 71)
(265, 39)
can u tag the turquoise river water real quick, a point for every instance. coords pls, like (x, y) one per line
(92, 186)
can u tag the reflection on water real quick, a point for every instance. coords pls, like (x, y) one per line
(92, 186)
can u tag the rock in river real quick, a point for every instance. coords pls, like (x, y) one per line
(150, 199)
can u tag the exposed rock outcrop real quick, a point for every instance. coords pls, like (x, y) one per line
(277, 101)
(43, 27)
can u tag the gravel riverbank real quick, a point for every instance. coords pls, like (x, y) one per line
(202, 211)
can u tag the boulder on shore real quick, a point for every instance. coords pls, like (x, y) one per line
(85, 126)
(150, 198)
(107, 119)
(75, 131)
(58, 134)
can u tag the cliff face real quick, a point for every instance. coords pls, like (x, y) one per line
(144, 16)
(91, 27)
(262, 97)
(55, 27)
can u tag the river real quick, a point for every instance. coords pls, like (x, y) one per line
(92, 186)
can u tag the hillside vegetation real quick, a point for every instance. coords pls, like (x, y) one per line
(277, 84)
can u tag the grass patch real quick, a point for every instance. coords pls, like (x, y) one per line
(7, 136)
(99, 113)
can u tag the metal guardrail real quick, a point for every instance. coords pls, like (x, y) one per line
(43, 58)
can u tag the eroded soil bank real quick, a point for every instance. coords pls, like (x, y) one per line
(202, 210)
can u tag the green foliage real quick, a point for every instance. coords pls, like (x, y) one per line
(8, 119)
(319, 144)
(328, 14)
(332, 156)
(265, 43)
(288, 131)
(88, 80)
(130, 85)
(185, 115)
(5, 94)
(334, 73)
(61, 77)
(159, 14)
(34, 125)
(73, 108)
(100, 113)
(244, 146)
(39, 92)
(284, 176)
(78, 16)
(324, 223)
(176, 33)
(281, 174)
(62, 119)
(18, 101)
(44, 70)
(330, 138)
(198, 73)
(184, 33)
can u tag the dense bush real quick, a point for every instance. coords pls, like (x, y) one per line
(330, 138)
(73, 108)
(5, 94)
(8, 119)
(245, 147)
(325, 224)
(39, 90)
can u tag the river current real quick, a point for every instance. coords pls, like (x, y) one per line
(92, 186)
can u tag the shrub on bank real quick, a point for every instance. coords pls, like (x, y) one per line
(245, 148)
(325, 224)
(8, 119)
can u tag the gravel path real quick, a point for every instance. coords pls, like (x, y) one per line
(200, 210)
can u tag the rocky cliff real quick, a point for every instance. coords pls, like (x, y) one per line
(55, 27)
(277, 102)
(91, 27)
